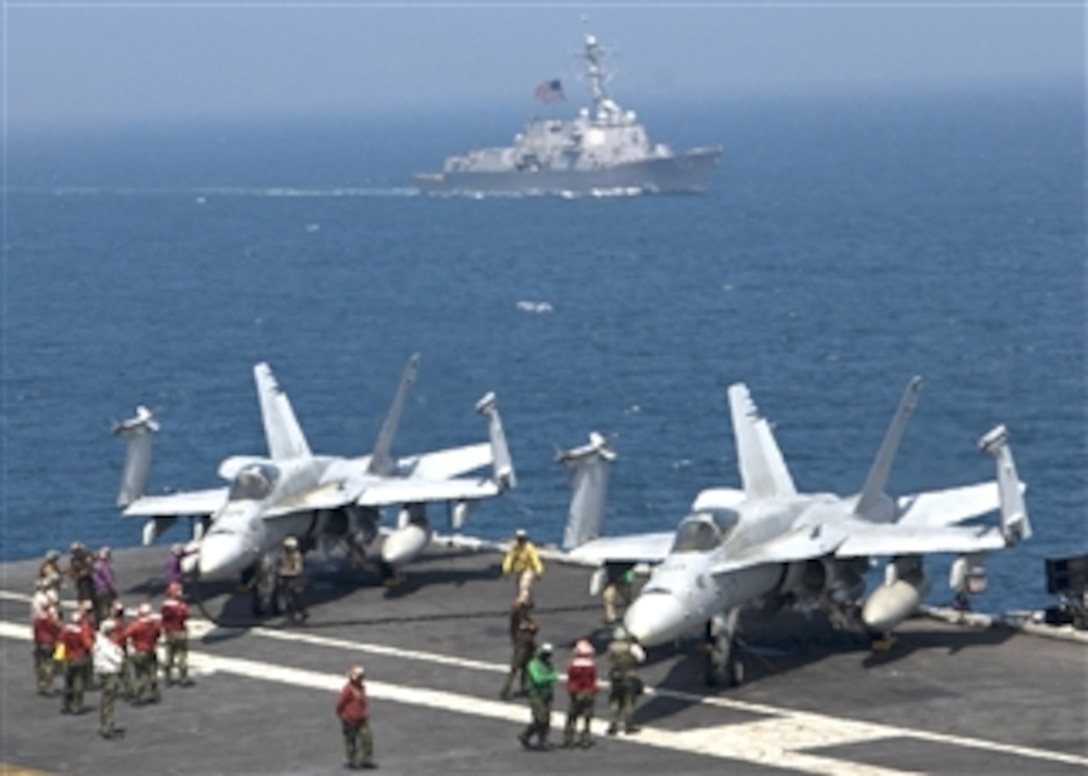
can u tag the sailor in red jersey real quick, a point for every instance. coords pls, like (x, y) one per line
(143, 634)
(354, 711)
(47, 628)
(582, 687)
(175, 617)
(77, 662)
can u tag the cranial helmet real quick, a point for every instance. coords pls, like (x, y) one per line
(52, 555)
(545, 649)
(620, 633)
(173, 589)
(583, 648)
(356, 672)
(144, 609)
(290, 542)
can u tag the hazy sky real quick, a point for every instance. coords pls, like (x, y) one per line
(72, 62)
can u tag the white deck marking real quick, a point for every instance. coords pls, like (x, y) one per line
(802, 729)
(766, 750)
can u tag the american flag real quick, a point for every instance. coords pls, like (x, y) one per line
(550, 91)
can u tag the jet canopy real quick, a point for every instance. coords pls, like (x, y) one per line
(704, 531)
(253, 482)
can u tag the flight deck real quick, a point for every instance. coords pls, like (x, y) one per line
(944, 699)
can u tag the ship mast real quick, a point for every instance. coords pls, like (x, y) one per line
(593, 53)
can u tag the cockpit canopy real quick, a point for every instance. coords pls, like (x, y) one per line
(703, 531)
(253, 482)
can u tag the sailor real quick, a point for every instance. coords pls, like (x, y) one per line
(523, 561)
(353, 708)
(523, 631)
(618, 587)
(624, 656)
(175, 617)
(49, 573)
(80, 565)
(144, 634)
(582, 688)
(104, 582)
(119, 635)
(77, 643)
(542, 676)
(47, 627)
(42, 599)
(290, 580)
(108, 662)
(172, 569)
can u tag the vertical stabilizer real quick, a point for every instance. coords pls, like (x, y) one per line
(1015, 524)
(590, 489)
(137, 433)
(763, 471)
(281, 428)
(500, 453)
(381, 460)
(872, 495)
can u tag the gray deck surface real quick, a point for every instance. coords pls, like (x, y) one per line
(944, 700)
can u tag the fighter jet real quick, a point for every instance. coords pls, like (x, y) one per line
(770, 545)
(320, 500)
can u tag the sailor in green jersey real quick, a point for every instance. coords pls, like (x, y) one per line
(542, 676)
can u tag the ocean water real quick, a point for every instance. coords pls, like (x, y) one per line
(847, 244)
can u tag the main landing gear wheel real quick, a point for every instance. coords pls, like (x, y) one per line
(724, 664)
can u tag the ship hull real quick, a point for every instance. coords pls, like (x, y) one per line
(684, 173)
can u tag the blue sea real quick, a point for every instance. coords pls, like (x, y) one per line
(848, 242)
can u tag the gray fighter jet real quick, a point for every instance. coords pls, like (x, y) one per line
(768, 544)
(321, 500)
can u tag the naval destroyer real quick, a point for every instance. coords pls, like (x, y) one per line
(604, 150)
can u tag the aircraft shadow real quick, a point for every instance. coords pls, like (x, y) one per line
(791, 641)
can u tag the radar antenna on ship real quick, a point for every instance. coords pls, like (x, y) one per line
(605, 109)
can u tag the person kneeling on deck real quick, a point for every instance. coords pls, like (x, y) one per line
(541, 678)
(108, 661)
(523, 561)
(353, 708)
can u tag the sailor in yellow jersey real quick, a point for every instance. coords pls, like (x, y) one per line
(523, 561)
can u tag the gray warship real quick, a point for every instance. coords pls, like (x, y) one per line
(603, 151)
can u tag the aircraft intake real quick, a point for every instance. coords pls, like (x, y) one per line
(405, 543)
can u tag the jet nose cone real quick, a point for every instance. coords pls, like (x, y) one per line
(221, 555)
(654, 618)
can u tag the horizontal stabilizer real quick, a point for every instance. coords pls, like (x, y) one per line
(446, 463)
